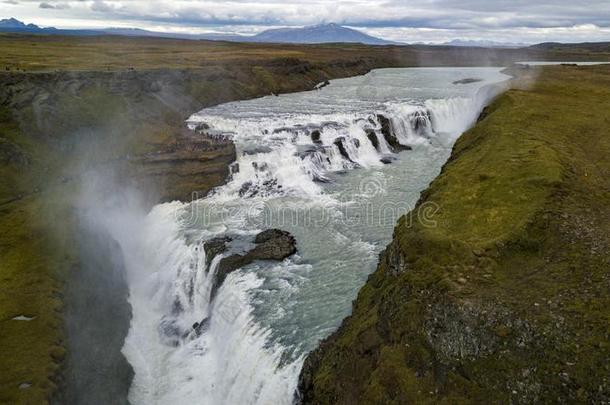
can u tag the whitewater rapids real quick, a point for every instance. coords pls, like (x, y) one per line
(323, 165)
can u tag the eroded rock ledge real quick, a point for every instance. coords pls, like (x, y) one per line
(272, 244)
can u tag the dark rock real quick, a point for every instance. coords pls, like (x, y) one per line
(315, 137)
(257, 150)
(272, 244)
(269, 234)
(420, 120)
(483, 114)
(260, 167)
(321, 179)
(386, 125)
(214, 247)
(200, 327)
(198, 164)
(245, 189)
(304, 151)
(467, 81)
(388, 134)
(234, 168)
(202, 127)
(339, 142)
(322, 85)
(356, 142)
(373, 138)
(386, 160)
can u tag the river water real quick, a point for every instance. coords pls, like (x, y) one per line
(339, 193)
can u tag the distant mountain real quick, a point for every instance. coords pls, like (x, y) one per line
(483, 44)
(16, 26)
(582, 47)
(13, 25)
(317, 34)
(137, 32)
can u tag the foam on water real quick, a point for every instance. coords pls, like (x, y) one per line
(245, 344)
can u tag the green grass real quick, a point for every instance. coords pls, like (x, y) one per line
(50, 53)
(506, 298)
(32, 265)
(34, 256)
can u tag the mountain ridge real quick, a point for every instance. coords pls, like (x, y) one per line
(484, 43)
(322, 33)
(315, 34)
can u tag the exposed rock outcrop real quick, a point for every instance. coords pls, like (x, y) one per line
(388, 133)
(186, 168)
(420, 120)
(340, 144)
(467, 81)
(372, 138)
(214, 247)
(272, 244)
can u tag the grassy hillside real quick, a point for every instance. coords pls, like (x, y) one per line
(51, 53)
(505, 300)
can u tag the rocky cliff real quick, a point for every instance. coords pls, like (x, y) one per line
(501, 295)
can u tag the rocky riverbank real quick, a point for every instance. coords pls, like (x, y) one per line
(505, 299)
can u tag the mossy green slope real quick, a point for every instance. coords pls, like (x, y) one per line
(32, 261)
(501, 295)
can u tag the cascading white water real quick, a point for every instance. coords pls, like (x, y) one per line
(312, 163)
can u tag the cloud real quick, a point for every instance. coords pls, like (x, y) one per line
(13, 2)
(54, 6)
(103, 6)
(577, 33)
(374, 13)
(394, 18)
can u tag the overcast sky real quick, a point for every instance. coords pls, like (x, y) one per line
(512, 21)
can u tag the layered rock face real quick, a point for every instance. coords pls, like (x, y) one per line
(272, 244)
(496, 289)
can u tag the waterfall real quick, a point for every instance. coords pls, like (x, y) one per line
(189, 346)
